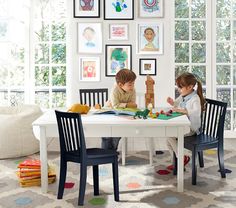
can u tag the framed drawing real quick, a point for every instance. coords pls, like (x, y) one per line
(117, 57)
(86, 8)
(89, 38)
(119, 9)
(150, 38)
(89, 69)
(118, 32)
(147, 66)
(151, 8)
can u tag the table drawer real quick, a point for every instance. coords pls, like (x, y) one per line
(138, 131)
(171, 131)
(97, 131)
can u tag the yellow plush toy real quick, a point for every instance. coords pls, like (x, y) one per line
(79, 108)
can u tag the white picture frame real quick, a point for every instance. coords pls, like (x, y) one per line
(151, 9)
(86, 9)
(150, 38)
(118, 32)
(119, 10)
(89, 69)
(89, 37)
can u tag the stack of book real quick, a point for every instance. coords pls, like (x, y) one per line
(29, 173)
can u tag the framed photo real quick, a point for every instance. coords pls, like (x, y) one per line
(147, 66)
(151, 8)
(86, 8)
(89, 38)
(117, 57)
(119, 9)
(150, 38)
(118, 32)
(89, 69)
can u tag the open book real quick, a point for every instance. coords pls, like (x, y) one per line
(117, 111)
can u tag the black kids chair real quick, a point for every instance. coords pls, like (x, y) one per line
(92, 97)
(211, 136)
(73, 149)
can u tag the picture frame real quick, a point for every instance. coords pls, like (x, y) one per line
(147, 66)
(117, 57)
(151, 9)
(86, 9)
(150, 38)
(90, 38)
(118, 10)
(118, 32)
(89, 69)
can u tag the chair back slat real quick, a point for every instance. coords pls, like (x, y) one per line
(214, 118)
(71, 133)
(92, 97)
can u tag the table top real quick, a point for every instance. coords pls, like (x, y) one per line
(49, 118)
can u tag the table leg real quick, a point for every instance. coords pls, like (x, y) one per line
(180, 175)
(124, 141)
(151, 149)
(44, 160)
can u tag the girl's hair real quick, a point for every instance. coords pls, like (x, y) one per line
(186, 79)
(124, 76)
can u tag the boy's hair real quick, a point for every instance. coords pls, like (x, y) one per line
(149, 28)
(186, 79)
(124, 76)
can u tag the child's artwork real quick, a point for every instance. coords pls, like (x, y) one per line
(119, 9)
(117, 57)
(151, 8)
(118, 32)
(150, 38)
(86, 8)
(89, 38)
(89, 69)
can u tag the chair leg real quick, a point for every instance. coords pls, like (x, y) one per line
(221, 162)
(194, 168)
(200, 157)
(115, 179)
(82, 185)
(95, 180)
(175, 164)
(62, 180)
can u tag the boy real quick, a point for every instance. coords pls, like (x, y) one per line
(123, 95)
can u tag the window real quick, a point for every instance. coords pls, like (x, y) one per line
(33, 62)
(204, 42)
(13, 51)
(49, 38)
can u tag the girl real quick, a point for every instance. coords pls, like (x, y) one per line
(191, 103)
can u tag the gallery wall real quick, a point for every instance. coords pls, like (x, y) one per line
(164, 78)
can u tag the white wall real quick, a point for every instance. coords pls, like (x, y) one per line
(164, 80)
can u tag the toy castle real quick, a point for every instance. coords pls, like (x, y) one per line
(149, 95)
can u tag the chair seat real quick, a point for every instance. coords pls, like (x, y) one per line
(93, 153)
(200, 140)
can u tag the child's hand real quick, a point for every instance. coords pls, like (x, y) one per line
(131, 105)
(179, 110)
(170, 101)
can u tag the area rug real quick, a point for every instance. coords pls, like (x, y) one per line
(140, 185)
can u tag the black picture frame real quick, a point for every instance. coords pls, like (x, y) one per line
(83, 14)
(149, 62)
(116, 64)
(119, 17)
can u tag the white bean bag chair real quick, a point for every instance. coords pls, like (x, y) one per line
(16, 132)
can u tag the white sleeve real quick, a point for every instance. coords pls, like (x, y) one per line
(177, 101)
